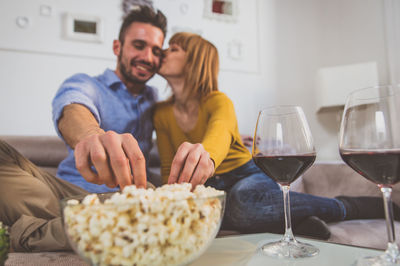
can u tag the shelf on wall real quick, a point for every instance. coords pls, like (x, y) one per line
(335, 83)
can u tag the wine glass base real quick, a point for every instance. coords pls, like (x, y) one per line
(382, 260)
(289, 250)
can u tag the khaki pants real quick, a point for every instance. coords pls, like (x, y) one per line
(29, 203)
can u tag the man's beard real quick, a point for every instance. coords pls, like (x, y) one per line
(127, 75)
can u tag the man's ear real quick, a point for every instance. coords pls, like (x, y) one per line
(117, 47)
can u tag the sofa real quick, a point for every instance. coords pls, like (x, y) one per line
(327, 179)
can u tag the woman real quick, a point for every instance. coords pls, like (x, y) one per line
(198, 124)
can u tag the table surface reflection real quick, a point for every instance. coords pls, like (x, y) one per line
(245, 250)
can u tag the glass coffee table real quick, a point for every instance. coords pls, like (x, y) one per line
(245, 250)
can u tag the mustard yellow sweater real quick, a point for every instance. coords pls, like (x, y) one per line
(216, 128)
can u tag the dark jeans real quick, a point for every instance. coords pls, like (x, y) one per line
(255, 202)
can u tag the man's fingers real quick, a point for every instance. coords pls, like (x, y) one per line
(117, 159)
(100, 162)
(136, 159)
(83, 162)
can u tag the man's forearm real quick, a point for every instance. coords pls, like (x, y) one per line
(76, 123)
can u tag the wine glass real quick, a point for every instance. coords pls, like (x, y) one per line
(283, 148)
(370, 144)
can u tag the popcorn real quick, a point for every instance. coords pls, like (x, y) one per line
(170, 225)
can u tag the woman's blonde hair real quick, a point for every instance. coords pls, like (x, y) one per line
(202, 64)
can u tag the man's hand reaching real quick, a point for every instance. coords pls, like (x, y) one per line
(114, 156)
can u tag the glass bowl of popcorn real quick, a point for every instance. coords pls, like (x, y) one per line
(169, 225)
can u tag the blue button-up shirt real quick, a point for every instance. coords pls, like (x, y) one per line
(114, 108)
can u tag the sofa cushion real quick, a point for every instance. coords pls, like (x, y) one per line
(331, 179)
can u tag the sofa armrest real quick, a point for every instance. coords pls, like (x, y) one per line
(44, 151)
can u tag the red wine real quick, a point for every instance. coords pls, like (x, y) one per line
(382, 168)
(284, 169)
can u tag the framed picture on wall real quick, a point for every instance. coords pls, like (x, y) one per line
(223, 10)
(128, 5)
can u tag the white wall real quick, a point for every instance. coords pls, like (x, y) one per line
(314, 34)
(392, 22)
(351, 32)
(35, 60)
(28, 83)
(294, 39)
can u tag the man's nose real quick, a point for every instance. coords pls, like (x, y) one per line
(148, 55)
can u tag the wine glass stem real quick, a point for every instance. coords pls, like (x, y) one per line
(288, 237)
(392, 249)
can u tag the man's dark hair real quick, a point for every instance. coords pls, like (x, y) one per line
(143, 14)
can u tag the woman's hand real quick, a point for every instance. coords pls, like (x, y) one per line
(247, 140)
(192, 164)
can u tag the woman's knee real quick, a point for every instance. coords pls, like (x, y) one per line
(245, 201)
(254, 204)
(236, 211)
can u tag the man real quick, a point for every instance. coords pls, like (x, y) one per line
(106, 120)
